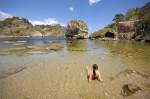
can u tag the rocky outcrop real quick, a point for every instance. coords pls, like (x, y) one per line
(16, 26)
(104, 34)
(77, 29)
(126, 26)
(126, 29)
(134, 25)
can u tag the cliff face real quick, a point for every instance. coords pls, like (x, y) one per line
(16, 26)
(77, 29)
(126, 26)
(126, 29)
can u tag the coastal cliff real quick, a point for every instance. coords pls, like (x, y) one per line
(135, 24)
(17, 26)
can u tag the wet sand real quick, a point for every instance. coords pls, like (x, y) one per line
(62, 74)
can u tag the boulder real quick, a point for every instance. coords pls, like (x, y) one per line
(129, 89)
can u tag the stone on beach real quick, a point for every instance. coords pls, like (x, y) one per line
(129, 89)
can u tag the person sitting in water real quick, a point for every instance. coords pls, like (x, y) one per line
(94, 73)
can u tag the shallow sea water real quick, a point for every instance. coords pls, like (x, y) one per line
(42, 74)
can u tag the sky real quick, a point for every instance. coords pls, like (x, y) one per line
(96, 13)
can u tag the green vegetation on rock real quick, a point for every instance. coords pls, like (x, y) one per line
(135, 24)
(16, 26)
(77, 29)
(142, 27)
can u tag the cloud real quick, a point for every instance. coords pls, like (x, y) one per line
(4, 15)
(48, 21)
(91, 2)
(71, 9)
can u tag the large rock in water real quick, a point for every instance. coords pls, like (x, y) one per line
(77, 29)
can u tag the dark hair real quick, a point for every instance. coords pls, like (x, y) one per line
(95, 66)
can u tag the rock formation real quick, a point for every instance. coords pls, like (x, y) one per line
(77, 29)
(135, 24)
(104, 33)
(126, 29)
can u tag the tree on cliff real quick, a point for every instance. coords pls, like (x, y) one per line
(135, 20)
(118, 18)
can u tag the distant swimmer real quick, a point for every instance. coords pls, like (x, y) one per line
(94, 73)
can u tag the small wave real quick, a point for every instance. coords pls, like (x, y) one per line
(8, 42)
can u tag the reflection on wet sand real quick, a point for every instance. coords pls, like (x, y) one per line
(77, 45)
